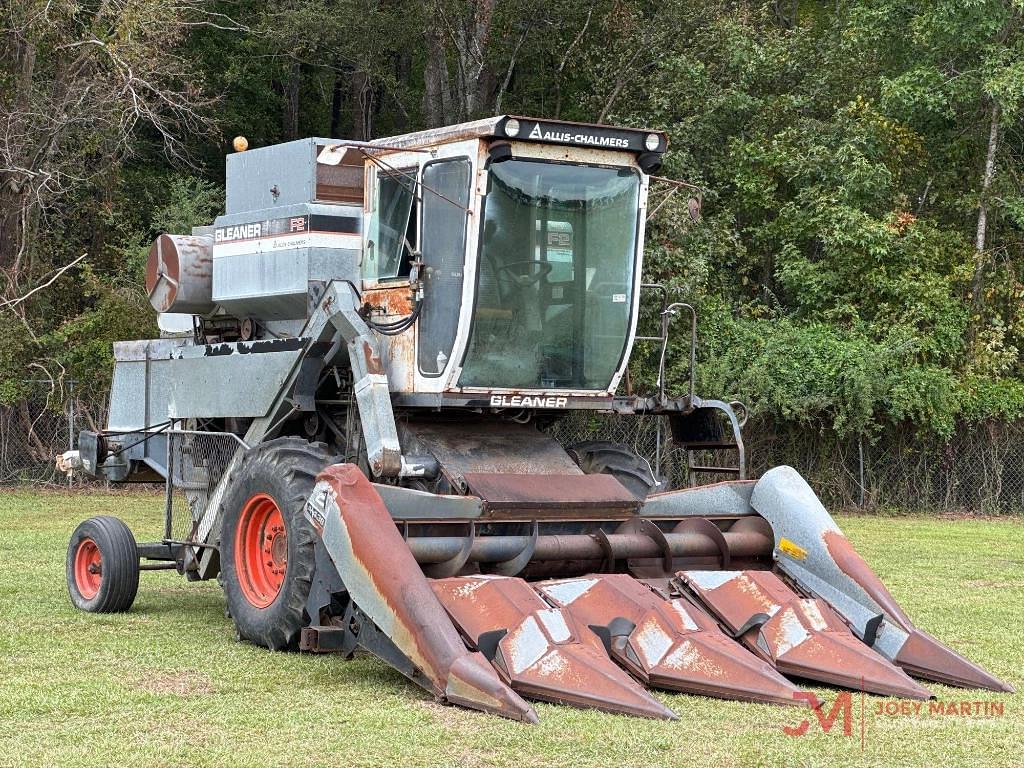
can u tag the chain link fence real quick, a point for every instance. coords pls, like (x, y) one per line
(39, 426)
(980, 469)
(197, 460)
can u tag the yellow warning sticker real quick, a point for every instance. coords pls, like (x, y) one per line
(793, 550)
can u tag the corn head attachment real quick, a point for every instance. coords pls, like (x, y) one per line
(801, 637)
(541, 650)
(728, 608)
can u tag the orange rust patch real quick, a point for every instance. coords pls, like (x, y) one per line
(853, 565)
(395, 301)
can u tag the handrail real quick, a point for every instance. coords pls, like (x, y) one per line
(666, 313)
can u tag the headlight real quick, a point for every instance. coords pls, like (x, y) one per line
(512, 128)
(652, 141)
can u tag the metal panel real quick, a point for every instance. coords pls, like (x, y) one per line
(194, 382)
(268, 277)
(669, 644)
(490, 447)
(551, 495)
(801, 637)
(134, 351)
(388, 587)
(127, 397)
(539, 650)
(728, 499)
(812, 551)
(254, 175)
(221, 387)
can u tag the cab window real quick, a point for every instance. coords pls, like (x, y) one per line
(391, 224)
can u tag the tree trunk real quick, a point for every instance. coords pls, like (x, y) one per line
(980, 262)
(363, 99)
(403, 75)
(337, 95)
(436, 94)
(292, 86)
(474, 85)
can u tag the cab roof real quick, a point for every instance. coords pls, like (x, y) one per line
(559, 132)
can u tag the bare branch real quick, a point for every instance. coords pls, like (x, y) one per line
(14, 302)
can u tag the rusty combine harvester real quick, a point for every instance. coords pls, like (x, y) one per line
(350, 401)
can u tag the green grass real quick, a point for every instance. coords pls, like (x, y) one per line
(168, 684)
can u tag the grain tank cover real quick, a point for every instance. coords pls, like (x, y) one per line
(286, 174)
(290, 226)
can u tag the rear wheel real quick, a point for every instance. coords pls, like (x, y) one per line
(618, 460)
(102, 566)
(267, 558)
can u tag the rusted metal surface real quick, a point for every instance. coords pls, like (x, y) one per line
(799, 636)
(688, 547)
(814, 553)
(854, 566)
(487, 446)
(540, 650)
(667, 643)
(921, 654)
(924, 656)
(514, 496)
(179, 274)
(384, 581)
(390, 301)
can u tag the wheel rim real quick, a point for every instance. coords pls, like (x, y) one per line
(88, 568)
(261, 550)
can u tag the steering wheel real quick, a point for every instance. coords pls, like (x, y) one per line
(532, 276)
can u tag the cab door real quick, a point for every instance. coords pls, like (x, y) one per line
(445, 200)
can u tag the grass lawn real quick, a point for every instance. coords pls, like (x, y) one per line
(168, 684)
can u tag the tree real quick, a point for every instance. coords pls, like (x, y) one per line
(81, 83)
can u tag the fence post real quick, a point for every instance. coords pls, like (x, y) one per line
(860, 463)
(71, 421)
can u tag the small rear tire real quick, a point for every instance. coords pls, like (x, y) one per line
(618, 460)
(103, 566)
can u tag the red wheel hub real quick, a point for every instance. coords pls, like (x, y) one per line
(261, 550)
(88, 568)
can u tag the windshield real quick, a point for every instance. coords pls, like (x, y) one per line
(555, 282)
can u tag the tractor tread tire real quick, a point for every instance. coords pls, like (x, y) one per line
(618, 460)
(120, 565)
(285, 469)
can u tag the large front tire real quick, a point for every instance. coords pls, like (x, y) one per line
(267, 544)
(618, 460)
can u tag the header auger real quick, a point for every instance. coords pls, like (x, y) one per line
(348, 405)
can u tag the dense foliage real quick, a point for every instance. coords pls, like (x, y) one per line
(856, 263)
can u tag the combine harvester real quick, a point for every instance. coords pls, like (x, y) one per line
(350, 404)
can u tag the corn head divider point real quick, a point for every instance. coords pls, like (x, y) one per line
(351, 406)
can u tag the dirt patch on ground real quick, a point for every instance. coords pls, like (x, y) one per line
(178, 684)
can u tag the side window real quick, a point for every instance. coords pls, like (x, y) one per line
(391, 222)
(445, 198)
